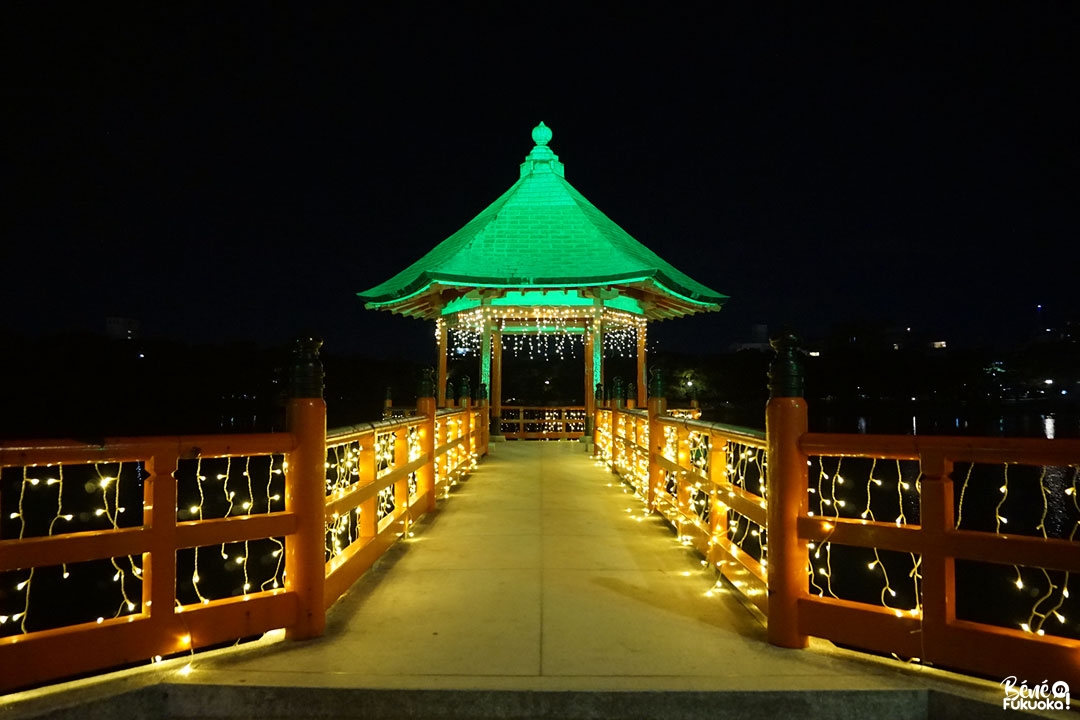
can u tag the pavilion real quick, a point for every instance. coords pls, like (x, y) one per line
(542, 259)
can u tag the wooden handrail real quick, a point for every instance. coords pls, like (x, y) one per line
(163, 628)
(934, 634)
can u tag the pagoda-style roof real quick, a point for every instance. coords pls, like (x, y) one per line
(542, 239)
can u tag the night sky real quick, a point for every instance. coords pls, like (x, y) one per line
(238, 172)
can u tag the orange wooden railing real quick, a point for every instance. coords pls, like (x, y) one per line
(935, 634)
(519, 422)
(673, 463)
(685, 472)
(446, 445)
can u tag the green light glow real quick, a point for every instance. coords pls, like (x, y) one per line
(485, 362)
(538, 298)
(542, 244)
(597, 360)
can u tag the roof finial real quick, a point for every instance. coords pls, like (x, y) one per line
(541, 134)
(541, 159)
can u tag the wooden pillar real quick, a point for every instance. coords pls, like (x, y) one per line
(642, 376)
(485, 354)
(657, 410)
(785, 424)
(305, 491)
(938, 518)
(590, 378)
(425, 475)
(443, 333)
(496, 380)
(596, 328)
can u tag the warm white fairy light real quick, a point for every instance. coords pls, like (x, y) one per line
(543, 332)
(198, 512)
(744, 464)
(342, 471)
(384, 453)
(829, 489)
(112, 512)
(1055, 595)
(278, 554)
(621, 331)
(415, 450)
(963, 493)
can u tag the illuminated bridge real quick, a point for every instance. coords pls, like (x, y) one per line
(634, 561)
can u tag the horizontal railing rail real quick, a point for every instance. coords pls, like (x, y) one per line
(523, 422)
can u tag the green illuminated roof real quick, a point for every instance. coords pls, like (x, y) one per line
(542, 234)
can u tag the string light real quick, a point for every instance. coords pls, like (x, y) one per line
(112, 514)
(543, 332)
(207, 581)
(342, 471)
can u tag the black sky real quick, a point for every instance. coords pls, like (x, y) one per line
(237, 172)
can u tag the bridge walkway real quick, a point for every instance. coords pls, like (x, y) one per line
(542, 572)
(539, 588)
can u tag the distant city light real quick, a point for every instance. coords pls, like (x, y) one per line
(814, 353)
(1048, 381)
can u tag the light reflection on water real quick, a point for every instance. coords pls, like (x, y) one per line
(1022, 424)
(1055, 481)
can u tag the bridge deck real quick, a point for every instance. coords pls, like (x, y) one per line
(542, 573)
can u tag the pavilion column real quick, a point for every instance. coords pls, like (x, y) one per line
(597, 332)
(642, 377)
(443, 334)
(590, 379)
(485, 354)
(496, 381)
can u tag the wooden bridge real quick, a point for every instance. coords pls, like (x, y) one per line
(656, 553)
(647, 564)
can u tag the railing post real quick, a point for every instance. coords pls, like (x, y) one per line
(401, 486)
(597, 405)
(465, 401)
(616, 443)
(785, 423)
(484, 422)
(718, 475)
(305, 490)
(657, 410)
(937, 516)
(426, 405)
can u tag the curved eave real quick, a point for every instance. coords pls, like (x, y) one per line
(661, 298)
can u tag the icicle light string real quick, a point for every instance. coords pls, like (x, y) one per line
(232, 504)
(833, 499)
(342, 471)
(541, 332)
